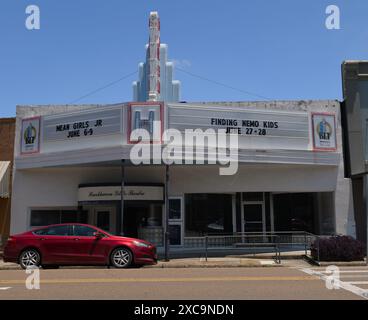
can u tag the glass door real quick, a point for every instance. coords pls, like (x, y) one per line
(104, 218)
(253, 217)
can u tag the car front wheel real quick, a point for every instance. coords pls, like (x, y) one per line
(29, 258)
(121, 258)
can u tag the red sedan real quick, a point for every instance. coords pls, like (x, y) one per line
(77, 244)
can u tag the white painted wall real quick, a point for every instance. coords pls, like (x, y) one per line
(58, 187)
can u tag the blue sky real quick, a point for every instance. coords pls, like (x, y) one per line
(276, 49)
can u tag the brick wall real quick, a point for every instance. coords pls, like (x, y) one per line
(7, 135)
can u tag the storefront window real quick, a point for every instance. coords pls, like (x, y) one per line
(144, 221)
(208, 214)
(41, 218)
(294, 212)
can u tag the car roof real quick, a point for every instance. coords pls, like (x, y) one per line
(69, 224)
(65, 224)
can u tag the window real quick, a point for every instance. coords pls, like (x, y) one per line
(44, 218)
(175, 234)
(294, 212)
(84, 231)
(175, 209)
(41, 218)
(175, 221)
(208, 214)
(144, 221)
(55, 231)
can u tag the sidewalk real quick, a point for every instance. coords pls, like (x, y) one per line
(228, 261)
(187, 263)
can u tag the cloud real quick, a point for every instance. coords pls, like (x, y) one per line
(182, 63)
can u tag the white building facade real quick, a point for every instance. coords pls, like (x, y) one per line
(68, 168)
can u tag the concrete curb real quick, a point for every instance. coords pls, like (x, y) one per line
(217, 263)
(311, 261)
(342, 264)
(270, 257)
(9, 266)
(213, 265)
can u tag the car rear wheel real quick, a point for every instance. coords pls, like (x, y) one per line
(29, 258)
(121, 258)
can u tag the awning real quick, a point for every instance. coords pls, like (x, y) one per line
(4, 179)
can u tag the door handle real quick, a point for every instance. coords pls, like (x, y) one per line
(76, 239)
(42, 239)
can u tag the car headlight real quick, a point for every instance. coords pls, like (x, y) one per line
(141, 244)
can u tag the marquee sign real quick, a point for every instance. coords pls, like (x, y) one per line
(324, 131)
(30, 135)
(82, 125)
(263, 129)
(111, 126)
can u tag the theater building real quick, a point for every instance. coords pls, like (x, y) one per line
(68, 168)
(73, 163)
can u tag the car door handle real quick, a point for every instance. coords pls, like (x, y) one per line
(76, 239)
(42, 239)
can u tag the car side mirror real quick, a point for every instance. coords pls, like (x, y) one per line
(98, 235)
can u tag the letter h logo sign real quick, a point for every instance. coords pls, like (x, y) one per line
(143, 120)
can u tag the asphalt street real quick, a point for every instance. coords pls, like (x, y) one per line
(185, 283)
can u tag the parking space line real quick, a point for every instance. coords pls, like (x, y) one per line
(354, 276)
(348, 286)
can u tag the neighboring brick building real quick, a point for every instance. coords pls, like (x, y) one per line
(7, 133)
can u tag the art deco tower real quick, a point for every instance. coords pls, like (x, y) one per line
(155, 81)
